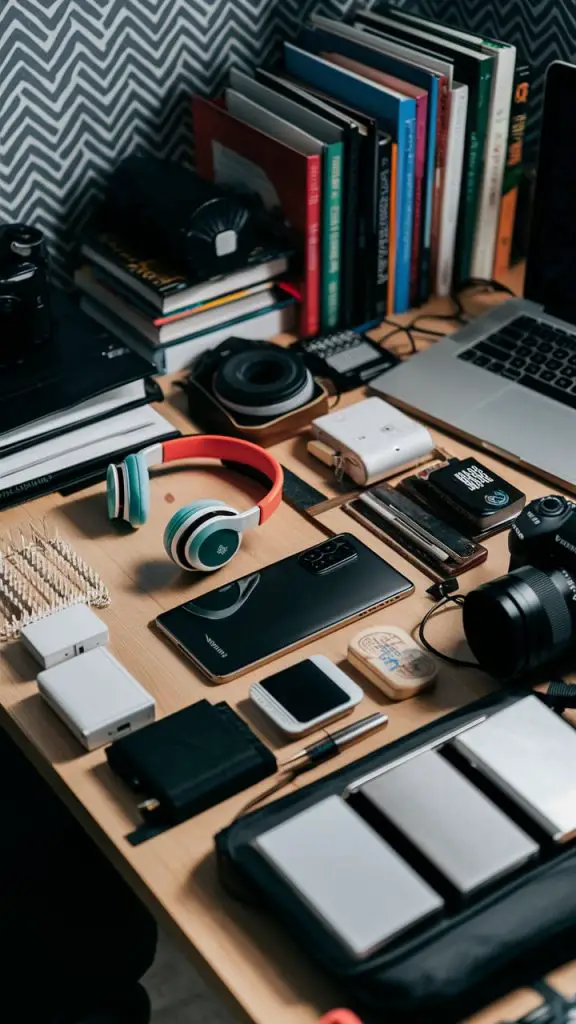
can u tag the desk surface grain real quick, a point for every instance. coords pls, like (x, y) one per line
(266, 977)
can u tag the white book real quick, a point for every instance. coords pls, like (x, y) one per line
(496, 147)
(137, 427)
(260, 327)
(455, 145)
(279, 128)
(101, 406)
(197, 323)
(495, 155)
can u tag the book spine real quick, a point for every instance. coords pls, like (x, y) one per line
(452, 189)
(513, 172)
(418, 219)
(365, 275)
(350, 230)
(311, 298)
(478, 122)
(405, 207)
(392, 228)
(441, 143)
(495, 160)
(432, 132)
(331, 235)
(382, 263)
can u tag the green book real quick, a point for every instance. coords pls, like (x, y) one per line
(474, 156)
(332, 176)
(474, 69)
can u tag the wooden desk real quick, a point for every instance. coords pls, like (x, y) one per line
(266, 977)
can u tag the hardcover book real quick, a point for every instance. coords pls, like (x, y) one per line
(161, 286)
(236, 154)
(395, 113)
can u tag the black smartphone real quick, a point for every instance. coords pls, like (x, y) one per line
(246, 623)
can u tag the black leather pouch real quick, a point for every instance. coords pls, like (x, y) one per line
(189, 761)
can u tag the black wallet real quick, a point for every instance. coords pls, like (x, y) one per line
(191, 760)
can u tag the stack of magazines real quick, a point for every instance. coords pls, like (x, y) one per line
(171, 320)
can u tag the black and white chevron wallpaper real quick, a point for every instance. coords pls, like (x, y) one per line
(542, 31)
(85, 82)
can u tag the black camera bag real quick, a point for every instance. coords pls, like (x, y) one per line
(455, 966)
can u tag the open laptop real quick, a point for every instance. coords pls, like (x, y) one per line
(507, 380)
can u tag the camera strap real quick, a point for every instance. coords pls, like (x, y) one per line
(560, 695)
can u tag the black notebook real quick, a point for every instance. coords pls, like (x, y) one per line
(81, 362)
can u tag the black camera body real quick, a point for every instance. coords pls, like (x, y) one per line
(525, 620)
(544, 535)
(24, 291)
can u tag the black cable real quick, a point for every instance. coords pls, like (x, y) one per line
(460, 662)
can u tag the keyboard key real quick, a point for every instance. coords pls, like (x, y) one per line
(481, 360)
(562, 353)
(533, 368)
(468, 356)
(503, 341)
(565, 397)
(497, 367)
(545, 346)
(563, 382)
(553, 364)
(523, 350)
(511, 374)
(547, 375)
(569, 371)
(572, 361)
(538, 357)
(517, 363)
(493, 351)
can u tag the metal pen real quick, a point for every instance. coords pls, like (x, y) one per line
(332, 745)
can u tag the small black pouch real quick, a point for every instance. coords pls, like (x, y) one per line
(191, 760)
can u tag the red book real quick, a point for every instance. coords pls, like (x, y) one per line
(233, 153)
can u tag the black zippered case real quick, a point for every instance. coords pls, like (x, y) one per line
(450, 968)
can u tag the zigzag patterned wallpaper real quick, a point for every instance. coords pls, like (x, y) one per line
(542, 31)
(85, 82)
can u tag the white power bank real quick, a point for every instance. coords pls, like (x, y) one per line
(64, 634)
(529, 753)
(467, 838)
(350, 878)
(96, 698)
(372, 440)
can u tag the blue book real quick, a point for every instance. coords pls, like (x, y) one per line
(329, 35)
(397, 115)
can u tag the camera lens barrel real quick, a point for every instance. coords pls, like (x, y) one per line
(521, 621)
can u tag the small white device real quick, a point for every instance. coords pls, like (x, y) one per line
(369, 441)
(306, 696)
(64, 634)
(96, 698)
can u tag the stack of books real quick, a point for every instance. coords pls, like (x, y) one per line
(170, 320)
(392, 145)
(71, 406)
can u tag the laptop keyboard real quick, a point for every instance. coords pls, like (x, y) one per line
(532, 353)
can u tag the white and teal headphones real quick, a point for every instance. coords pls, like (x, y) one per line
(206, 534)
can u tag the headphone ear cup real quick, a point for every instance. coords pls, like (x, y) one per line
(112, 492)
(137, 500)
(197, 537)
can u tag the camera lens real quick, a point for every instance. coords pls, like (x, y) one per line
(552, 505)
(521, 621)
